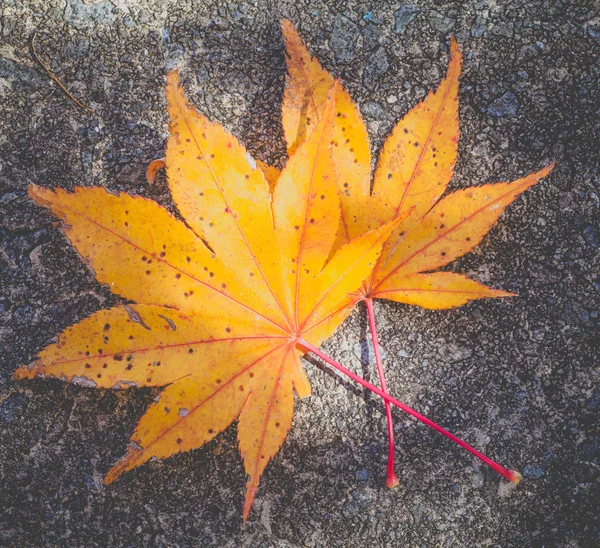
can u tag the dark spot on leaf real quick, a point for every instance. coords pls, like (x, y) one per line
(179, 440)
(87, 366)
(106, 327)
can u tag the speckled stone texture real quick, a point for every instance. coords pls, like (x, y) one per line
(517, 378)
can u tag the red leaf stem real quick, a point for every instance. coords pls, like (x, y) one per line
(510, 475)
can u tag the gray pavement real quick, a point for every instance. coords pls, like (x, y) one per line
(517, 378)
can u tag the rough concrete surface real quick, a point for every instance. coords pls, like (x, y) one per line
(518, 378)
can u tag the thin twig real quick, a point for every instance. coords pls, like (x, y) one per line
(54, 77)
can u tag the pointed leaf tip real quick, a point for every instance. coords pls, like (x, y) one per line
(287, 26)
(455, 62)
(544, 172)
(34, 191)
(251, 490)
(173, 78)
(454, 49)
(110, 477)
(22, 373)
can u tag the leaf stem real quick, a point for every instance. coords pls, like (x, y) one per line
(510, 475)
(391, 479)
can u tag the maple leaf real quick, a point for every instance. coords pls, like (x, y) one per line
(222, 325)
(414, 168)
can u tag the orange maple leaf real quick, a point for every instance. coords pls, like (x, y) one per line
(414, 168)
(220, 325)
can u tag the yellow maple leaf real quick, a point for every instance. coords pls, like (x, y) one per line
(414, 168)
(221, 324)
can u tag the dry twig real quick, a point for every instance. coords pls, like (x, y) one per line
(54, 77)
